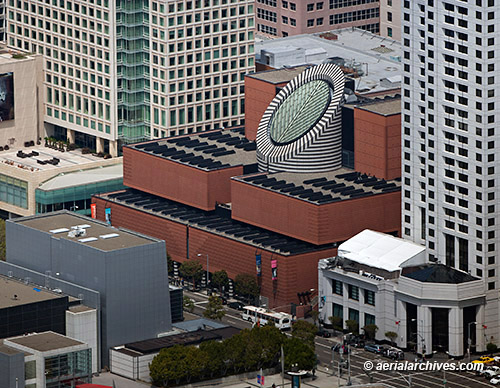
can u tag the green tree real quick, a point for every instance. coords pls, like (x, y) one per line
(216, 353)
(188, 304)
(370, 331)
(491, 347)
(352, 326)
(314, 315)
(246, 285)
(214, 310)
(2, 239)
(220, 279)
(298, 355)
(236, 350)
(170, 264)
(391, 335)
(336, 323)
(304, 331)
(191, 269)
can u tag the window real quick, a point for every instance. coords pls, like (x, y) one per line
(370, 297)
(337, 287)
(353, 292)
(338, 310)
(369, 319)
(354, 315)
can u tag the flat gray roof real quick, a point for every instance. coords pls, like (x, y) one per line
(278, 76)
(8, 350)
(30, 163)
(98, 235)
(14, 293)
(46, 341)
(378, 57)
(386, 108)
(78, 178)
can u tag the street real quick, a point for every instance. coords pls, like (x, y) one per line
(358, 358)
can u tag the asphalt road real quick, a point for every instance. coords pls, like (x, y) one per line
(359, 357)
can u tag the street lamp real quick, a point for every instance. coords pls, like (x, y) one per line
(199, 255)
(421, 336)
(469, 340)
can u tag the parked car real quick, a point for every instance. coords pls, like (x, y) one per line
(322, 332)
(393, 353)
(236, 305)
(491, 372)
(355, 340)
(374, 348)
(483, 360)
(495, 380)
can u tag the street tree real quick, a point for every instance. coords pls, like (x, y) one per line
(304, 331)
(392, 335)
(188, 304)
(336, 323)
(246, 285)
(314, 316)
(352, 326)
(370, 331)
(220, 280)
(214, 310)
(191, 269)
(298, 355)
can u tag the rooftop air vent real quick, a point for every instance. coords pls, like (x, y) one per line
(88, 239)
(60, 230)
(110, 235)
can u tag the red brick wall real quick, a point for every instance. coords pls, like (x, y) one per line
(258, 96)
(297, 273)
(377, 144)
(176, 181)
(317, 224)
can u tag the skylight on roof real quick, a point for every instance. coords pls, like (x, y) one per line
(60, 230)
(110, 235)
(88, 239)
(82, 226)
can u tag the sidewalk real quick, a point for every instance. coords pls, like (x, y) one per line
(324, 379)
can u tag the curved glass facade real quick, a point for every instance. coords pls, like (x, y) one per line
(300, 111)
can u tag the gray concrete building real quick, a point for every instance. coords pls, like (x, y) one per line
(128, 270)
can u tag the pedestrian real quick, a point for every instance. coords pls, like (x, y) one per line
(273, 386)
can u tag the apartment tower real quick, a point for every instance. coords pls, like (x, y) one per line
(123, 71)
(450, 139)
(294, 17)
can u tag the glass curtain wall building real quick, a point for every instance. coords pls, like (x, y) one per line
(131, 70)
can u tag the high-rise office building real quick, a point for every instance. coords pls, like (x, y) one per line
(125, 71)
(450, 138)
(390, 19)
(294, 17)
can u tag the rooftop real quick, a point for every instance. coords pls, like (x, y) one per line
(78, 178)
(44, 342)
(41, 158)
(15, 293)
(98, 235)
(210, 221)
(387, 107)
(154, 345)
(9, 350)
(373, 57)
(278, 76)
(380, 250)
(437, 273)
(208, 151)
(322, 188)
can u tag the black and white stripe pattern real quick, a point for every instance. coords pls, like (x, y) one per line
(320, 148)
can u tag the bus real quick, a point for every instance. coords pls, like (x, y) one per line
(260, 316)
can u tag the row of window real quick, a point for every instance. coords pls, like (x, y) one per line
(181, 20)
(75, 119)
(353, 16)
(353, 292)
(350, 3)
(353, 314)
(181, 6)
